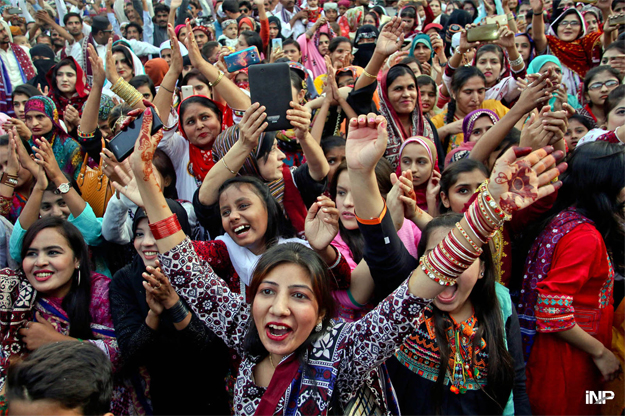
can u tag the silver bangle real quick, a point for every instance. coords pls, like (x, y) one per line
(517, 62)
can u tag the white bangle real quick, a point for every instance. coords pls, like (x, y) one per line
(517, 62)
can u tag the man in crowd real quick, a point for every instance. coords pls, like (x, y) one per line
(101, 32)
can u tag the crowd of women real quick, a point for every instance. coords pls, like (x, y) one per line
(440, 231)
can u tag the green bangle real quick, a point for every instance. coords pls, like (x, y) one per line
(79, 340)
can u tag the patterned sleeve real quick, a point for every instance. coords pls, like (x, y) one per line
(368, 342)
(222, 311)
(575, 257)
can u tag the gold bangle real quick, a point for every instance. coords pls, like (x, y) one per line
(223, 159)
(368, 75)
(217, 81)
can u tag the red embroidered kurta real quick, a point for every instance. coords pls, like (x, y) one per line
(577, 290)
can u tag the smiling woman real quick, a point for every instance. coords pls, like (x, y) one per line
(60, 299)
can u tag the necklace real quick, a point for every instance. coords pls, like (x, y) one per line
(271, 361)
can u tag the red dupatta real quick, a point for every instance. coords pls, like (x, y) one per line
(581, 54)
(78, 99)
(282, 378)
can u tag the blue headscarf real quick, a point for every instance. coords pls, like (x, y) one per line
(421, 38)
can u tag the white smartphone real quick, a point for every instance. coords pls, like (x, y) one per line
(187, 91)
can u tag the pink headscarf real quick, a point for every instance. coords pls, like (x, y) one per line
(430, 147)
(311, 58)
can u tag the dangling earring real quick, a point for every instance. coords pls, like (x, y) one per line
(78, 277)
(318, 327)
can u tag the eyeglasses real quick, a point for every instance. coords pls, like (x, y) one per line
(244, 10)
(598, 85)
(572, 23)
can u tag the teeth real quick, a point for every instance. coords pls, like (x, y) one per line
(150, 253)
(272, 326)
(241, 228)
(43, 274)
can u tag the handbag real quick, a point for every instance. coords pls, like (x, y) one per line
(94, 186)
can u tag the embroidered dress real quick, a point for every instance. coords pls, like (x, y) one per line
(568, 280)
(18, 303)
(340, 360)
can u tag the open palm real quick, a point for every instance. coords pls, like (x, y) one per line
(391, 38)
(516, 184)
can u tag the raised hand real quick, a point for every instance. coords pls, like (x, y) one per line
(535, 94)
(516, 184)
(111, 71)
(13, 161)
(322, 223)
(391, 38)
(193, 49)
(464, 44)
(141, 158)
(366, 141)
(44, 157)
(434, 186)
(128, 186)
(537, 6)
(299, 116)
(534, 135)
(252, 125)
(176, 63)
(506, 38)
(97, 66)
(22, 130)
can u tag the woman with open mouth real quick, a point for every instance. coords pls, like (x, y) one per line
(294, 354)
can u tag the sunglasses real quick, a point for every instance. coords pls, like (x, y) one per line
(244, 10)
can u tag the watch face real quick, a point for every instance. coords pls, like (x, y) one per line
(63, 188)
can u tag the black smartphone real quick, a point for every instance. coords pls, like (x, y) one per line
(270, 85)
(123, 144)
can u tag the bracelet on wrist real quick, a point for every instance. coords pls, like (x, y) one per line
(164, 228)
(9, 180)
(178, 312)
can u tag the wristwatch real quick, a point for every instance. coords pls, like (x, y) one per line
(63, 189)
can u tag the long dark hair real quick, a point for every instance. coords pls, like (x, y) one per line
(461, 77)
(166, 168)
(487, 309)
(450, 176)
(321, 282)
(277, 224)
(353, 238)
(127, 56)
(591, 184)
(77, 302)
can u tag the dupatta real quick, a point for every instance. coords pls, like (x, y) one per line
(80, 96)
(581, 54)
(66, 150)
(396, 132)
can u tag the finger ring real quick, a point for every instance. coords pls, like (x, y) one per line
(158, 287)
(105, 166)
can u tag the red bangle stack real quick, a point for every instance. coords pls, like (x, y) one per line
(164, 228)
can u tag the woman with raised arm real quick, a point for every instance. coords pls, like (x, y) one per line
(288, 332)
(398, 92)
(199, 120)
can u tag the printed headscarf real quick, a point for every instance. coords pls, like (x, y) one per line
(395, 129)
(46, 106)
(472, 117)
